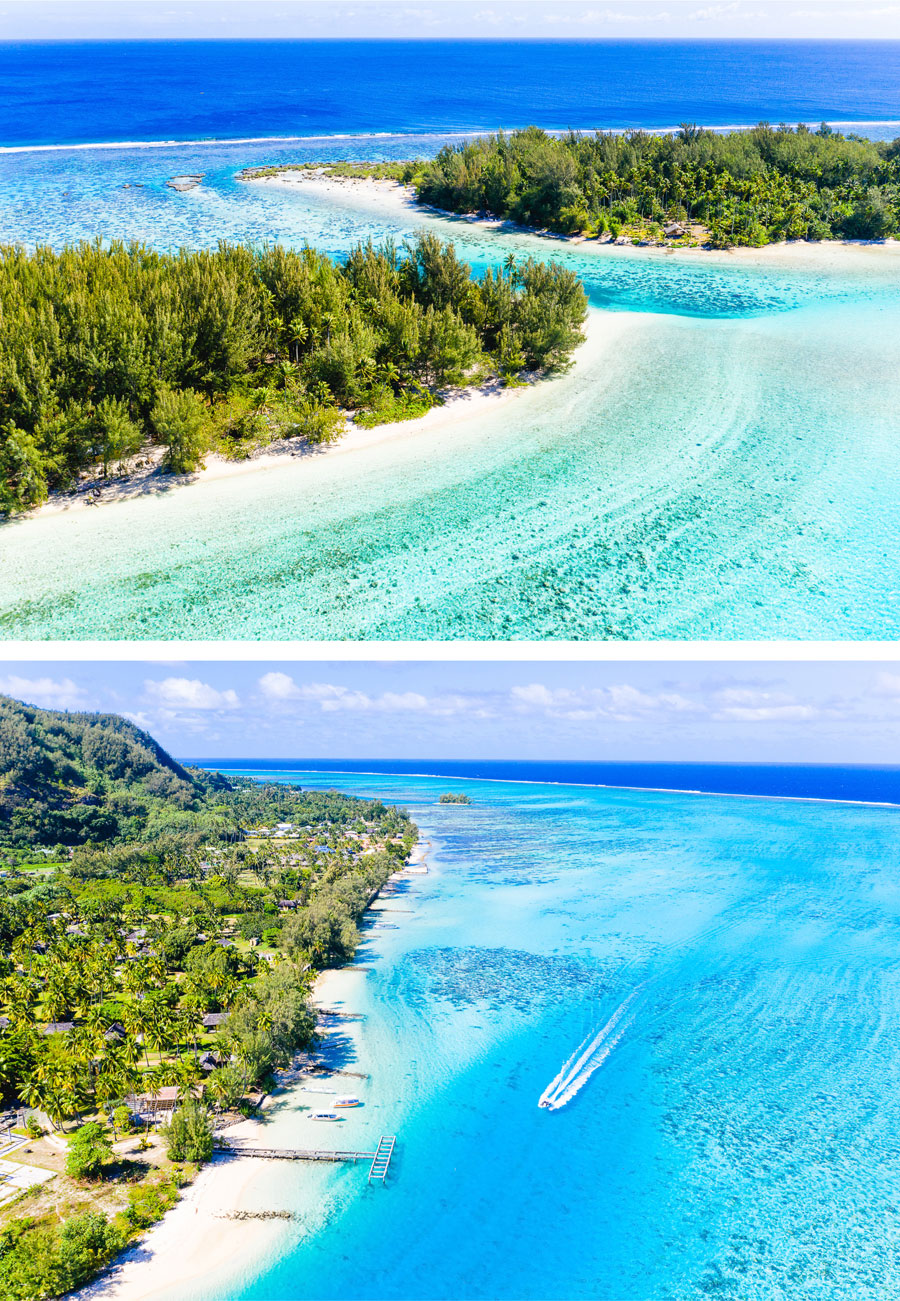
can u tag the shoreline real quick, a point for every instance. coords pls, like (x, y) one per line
(195, 1240)
(396, 199)
(459, 405)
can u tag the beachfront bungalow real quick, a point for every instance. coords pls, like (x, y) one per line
(58, 1027)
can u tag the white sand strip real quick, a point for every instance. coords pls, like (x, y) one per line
(196, 1241)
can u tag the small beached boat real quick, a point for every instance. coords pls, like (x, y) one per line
(324, 1115)
(348, 1101)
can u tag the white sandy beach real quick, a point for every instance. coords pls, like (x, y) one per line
(460, 405)
(197, 1241)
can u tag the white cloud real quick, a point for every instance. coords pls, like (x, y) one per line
(331, 697)
(623, 703)
(45, 692)
(189, 693)
(278, 686)
(139, 719)
(618, 703)
(749, 705)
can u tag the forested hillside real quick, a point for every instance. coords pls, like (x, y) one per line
(106, 351)
(744, 187)
(70, 778)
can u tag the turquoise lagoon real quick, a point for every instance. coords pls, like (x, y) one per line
(739, 1141)
(722, 461)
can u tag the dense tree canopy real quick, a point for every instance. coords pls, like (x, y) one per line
(745, 187)
(105, 351)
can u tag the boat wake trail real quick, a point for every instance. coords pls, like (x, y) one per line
(588, 1057)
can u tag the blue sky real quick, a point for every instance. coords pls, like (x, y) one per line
(791, 712)
(84, 19)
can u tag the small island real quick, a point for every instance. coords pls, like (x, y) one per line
(118, 359)
(454, 799)
(692, 187)
(162, 930)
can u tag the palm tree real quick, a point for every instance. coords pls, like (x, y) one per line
(187, 1074)
(297, 333)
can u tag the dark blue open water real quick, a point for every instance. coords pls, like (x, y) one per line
(74, 92)
(868, 784)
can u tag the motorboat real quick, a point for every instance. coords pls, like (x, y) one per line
(324, 1115)
(347, 1101)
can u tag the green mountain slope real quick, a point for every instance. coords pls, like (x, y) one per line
(71, 778)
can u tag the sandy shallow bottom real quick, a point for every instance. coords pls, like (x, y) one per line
(721, 462)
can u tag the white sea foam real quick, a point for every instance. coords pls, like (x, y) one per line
(588, 1057)
(437, 132)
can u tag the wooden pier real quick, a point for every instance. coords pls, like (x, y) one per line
(382, 1159)
(293, 1153)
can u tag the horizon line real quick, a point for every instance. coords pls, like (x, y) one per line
(409, 40)
(733, 763)
(610, 786)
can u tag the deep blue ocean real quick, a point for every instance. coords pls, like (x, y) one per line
(91, 92)
(722, 977)
(868, 784)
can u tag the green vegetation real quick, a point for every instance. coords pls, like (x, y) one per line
(190, 1134)
(89, 1151)
(111, 353)
(745, 187)
(454, 799)
(40, 1260)
(100, 782)
(133, 893)
(353, 171)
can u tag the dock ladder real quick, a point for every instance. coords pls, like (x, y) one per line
(382, 1159)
